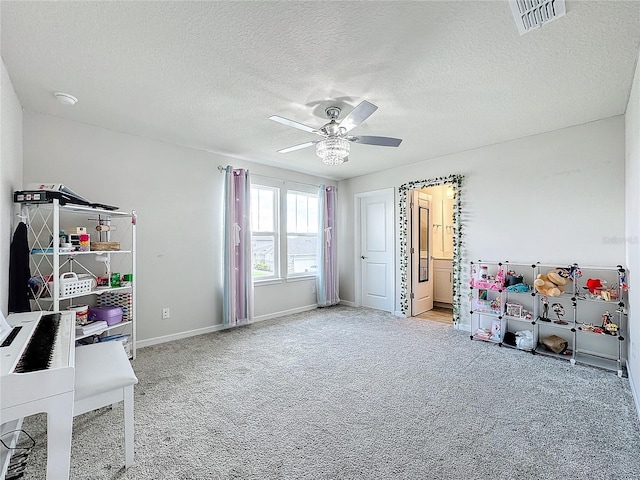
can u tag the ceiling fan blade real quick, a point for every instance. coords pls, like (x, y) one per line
(291, 123)
(381, 141)
(296, 147)
(358, 115)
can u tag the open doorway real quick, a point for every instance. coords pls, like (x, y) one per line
(431, 253)
(407, 272)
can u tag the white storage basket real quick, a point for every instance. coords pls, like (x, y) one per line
(71, 285)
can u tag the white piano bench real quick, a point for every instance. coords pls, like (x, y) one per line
(104, 377)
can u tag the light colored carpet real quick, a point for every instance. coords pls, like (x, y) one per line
(345, 393)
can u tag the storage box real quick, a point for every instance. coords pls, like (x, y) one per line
(71, 284)
(111, 315)
(124, 300)
(105, 246)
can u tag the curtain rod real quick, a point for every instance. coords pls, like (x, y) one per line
(222, 169)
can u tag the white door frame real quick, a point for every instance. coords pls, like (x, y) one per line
(357, 238)
(415, 290)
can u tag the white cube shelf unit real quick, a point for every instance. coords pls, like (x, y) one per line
(584, 321)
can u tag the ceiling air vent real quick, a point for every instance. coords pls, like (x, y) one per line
(532, 14)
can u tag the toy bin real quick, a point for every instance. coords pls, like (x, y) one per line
(111, 315)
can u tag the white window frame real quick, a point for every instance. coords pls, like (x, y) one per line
(311, 191)
(283, 187)
(277, 212)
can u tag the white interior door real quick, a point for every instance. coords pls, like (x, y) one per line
(376, 251)
(421, 258)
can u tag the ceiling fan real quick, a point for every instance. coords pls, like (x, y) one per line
(334, 147)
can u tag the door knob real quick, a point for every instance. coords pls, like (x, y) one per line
(363, 257)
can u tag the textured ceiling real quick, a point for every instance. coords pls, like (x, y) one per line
(446, 76)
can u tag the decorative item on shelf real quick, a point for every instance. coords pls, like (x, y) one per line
(608, 326)
(622, 278)
(544, 316)
(496, 331)
(514, 310)
(485, 281)
(483, 306)
(594, 285)
(484, 273)
(495, 305)
(598, 290)
(558, 309)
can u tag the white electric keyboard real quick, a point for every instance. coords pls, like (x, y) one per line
(37, 375)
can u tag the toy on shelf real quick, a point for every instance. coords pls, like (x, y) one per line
(552, 283)
(544, 316)
(495, 305)
(559, 311)
(609, 327)
(496, 331)
(598, 290)
(482, 279)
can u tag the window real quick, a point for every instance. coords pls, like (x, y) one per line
(264, 228)
(284, 224)
(302, 233)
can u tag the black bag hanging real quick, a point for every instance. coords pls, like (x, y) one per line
(19, 272)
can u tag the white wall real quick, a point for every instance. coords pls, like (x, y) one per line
(10, 174)
(177, 193)
(632, 176)
(557, 197)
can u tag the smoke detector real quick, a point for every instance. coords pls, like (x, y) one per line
(532, 14)
(65, 98)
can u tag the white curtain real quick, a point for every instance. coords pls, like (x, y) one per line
(238, 282)
(327, 279)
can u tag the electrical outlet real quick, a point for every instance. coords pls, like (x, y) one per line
(313, 288)
(166, 314)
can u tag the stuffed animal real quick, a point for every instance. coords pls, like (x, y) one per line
(551, 283)
(593, 284)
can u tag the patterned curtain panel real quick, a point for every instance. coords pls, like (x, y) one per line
(327, 280)
(238, 283)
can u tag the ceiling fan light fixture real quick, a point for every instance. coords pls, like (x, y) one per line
(333, 150)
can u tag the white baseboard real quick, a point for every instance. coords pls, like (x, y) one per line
(177, 336)
(215, 328)
(398, 313)
(347, 303)
(269, 316)
(464, 327)
(634, 390)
